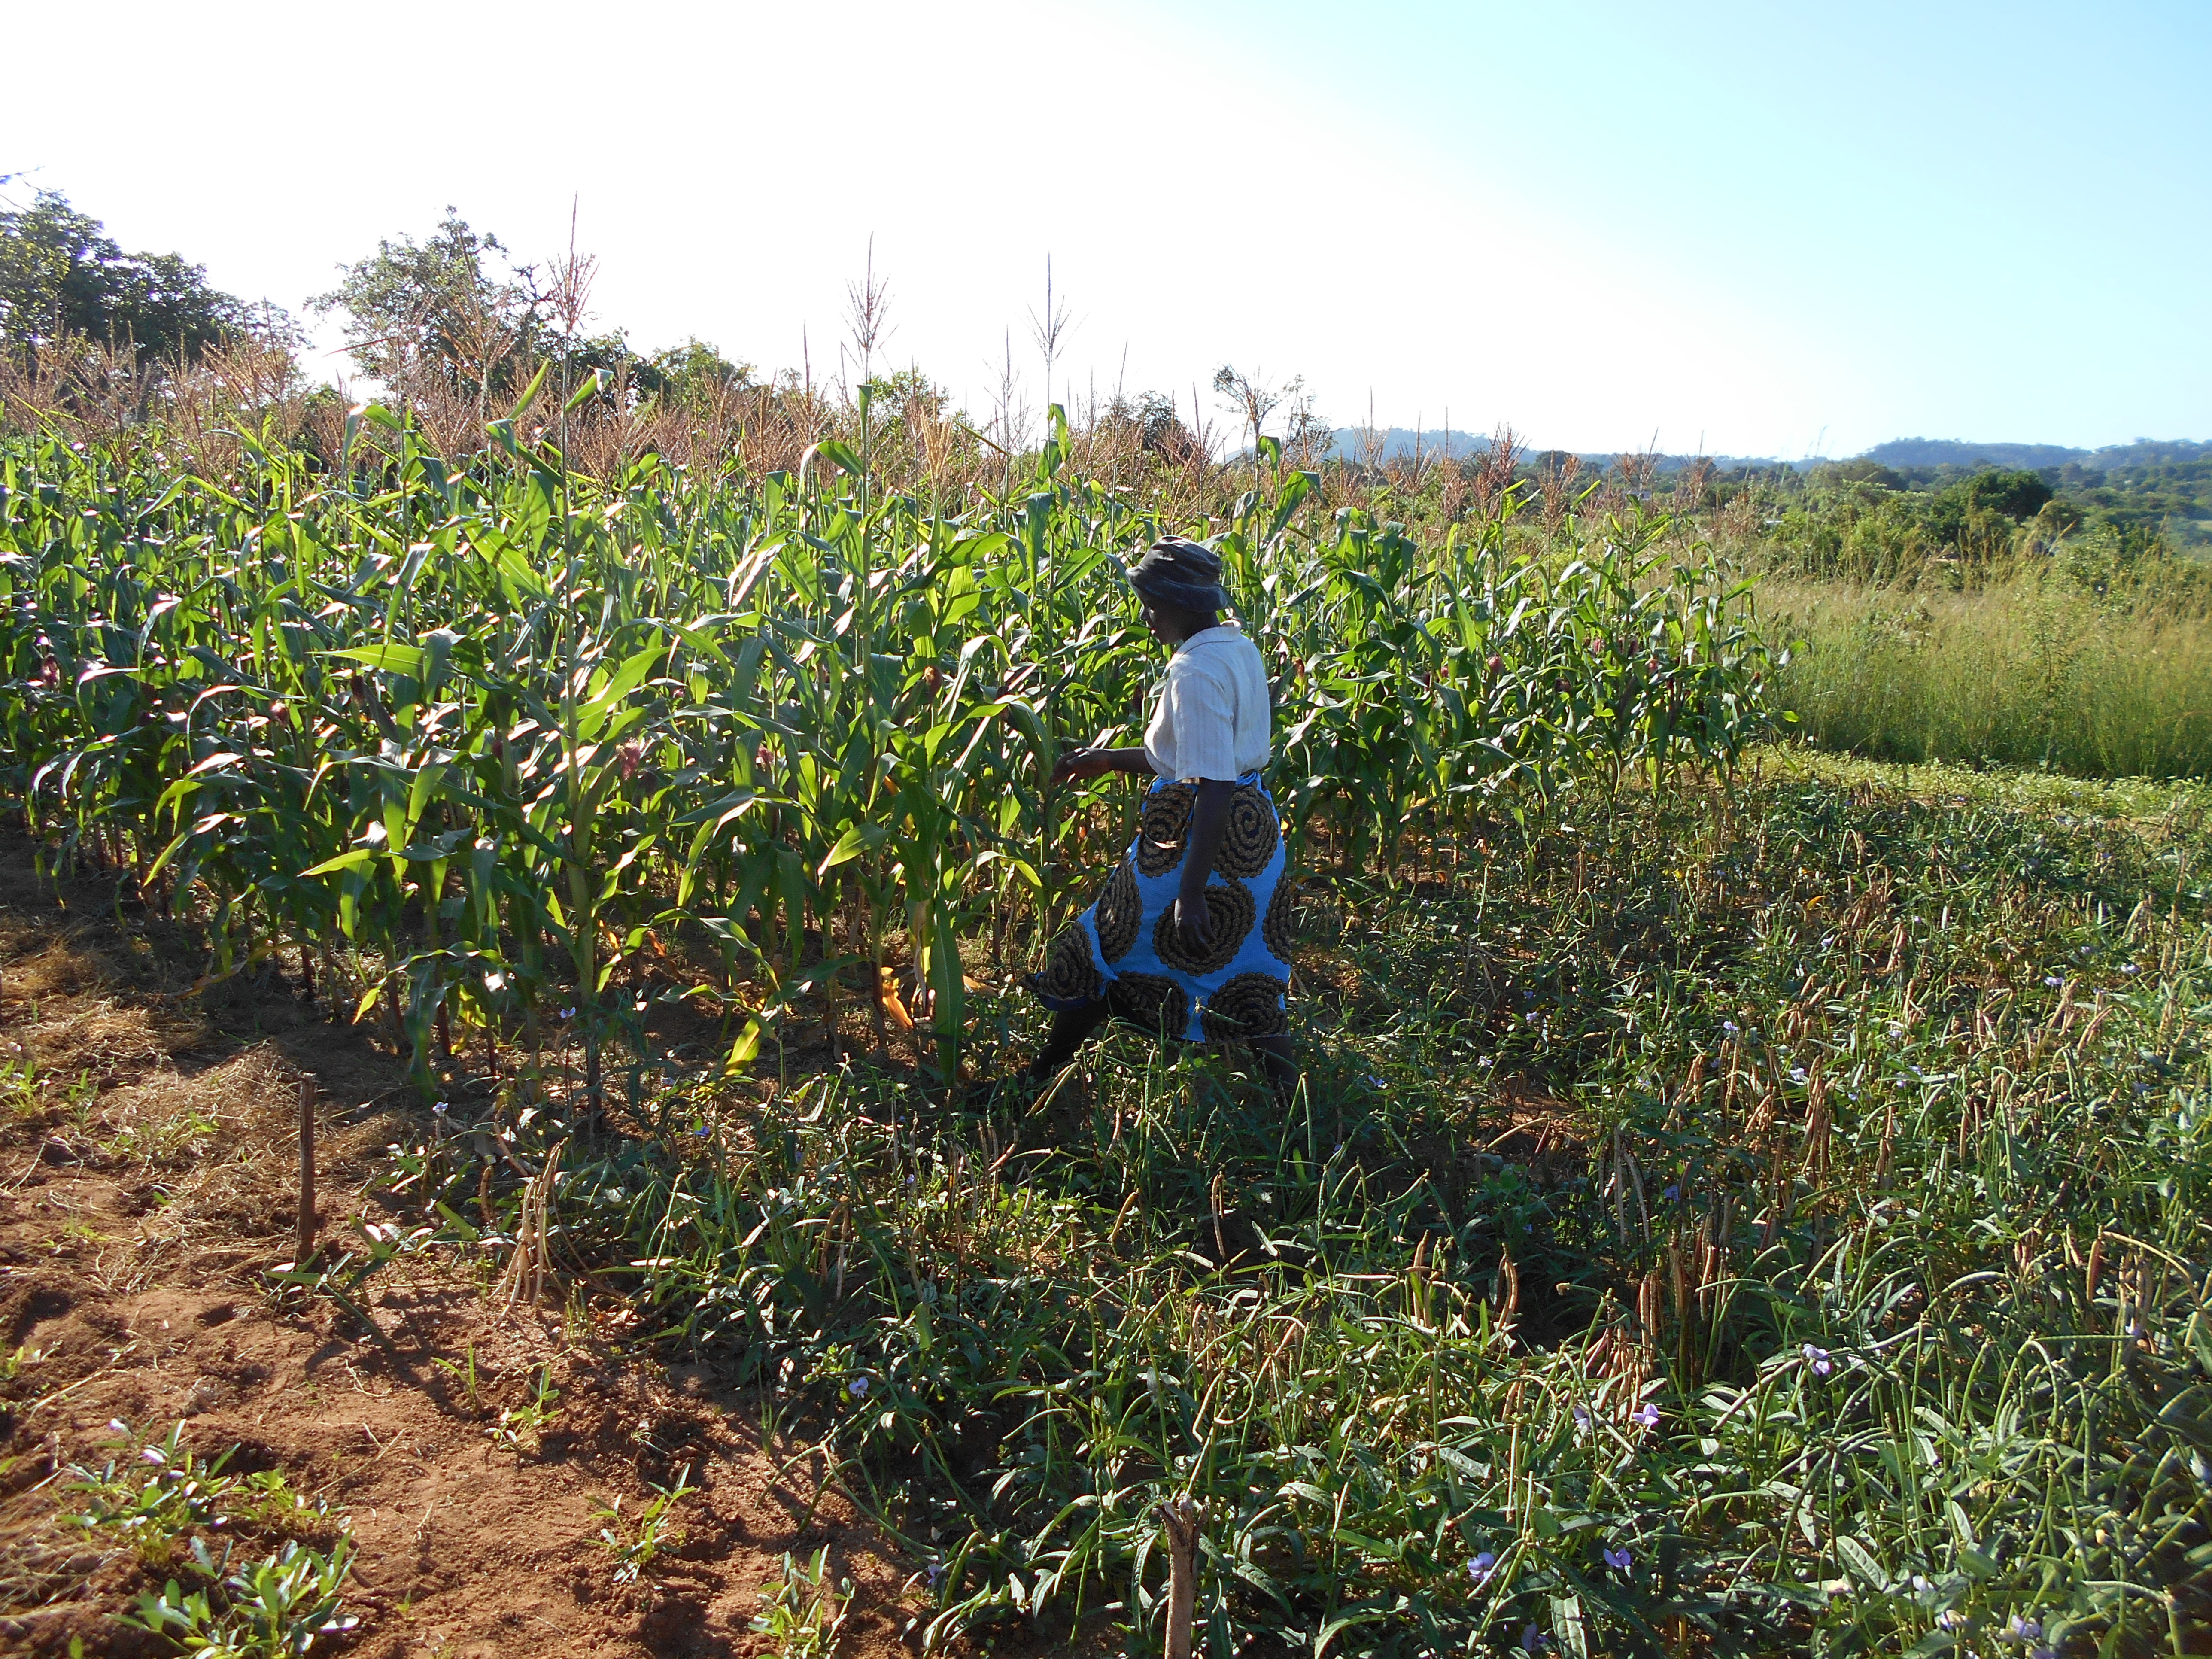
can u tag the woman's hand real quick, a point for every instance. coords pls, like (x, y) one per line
(1079, 764)
(1191, 925)
(1209, 819)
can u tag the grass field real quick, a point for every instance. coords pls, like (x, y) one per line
(2031, 668)
(1741, 1202)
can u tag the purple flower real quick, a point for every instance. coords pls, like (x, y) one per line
(1673, 1195)
(1728, 1025)
(1618, 1560)
(2018, 1629)
(1818, 1360)
(1950, 1618)
(1647, 1414)
(2051, 982)
(1582, 1416)
(858, 1387)
(1534, 1640)
(1481, 1567)
(153, 1455)
(935, 1571)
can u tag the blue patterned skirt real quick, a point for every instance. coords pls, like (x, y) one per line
(1126, 951)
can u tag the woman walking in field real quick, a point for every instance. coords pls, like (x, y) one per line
(1191, 936)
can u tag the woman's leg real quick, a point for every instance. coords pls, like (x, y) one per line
(1070, 1028)
(1280, 1064)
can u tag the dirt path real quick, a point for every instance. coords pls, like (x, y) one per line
(146, 1188)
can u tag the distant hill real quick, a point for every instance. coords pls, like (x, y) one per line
(1904, 452)
(1400, 441)
(1919, 460)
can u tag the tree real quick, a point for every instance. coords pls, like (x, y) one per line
(696, 374)
(1865, 470)
(2018, 495)
(438, 307)
(1160, 431)
(1254, 399)
(457, 310)
(61, 274)
(1970, 504)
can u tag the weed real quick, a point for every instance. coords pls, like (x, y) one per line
(267, 1502)
(806, 1611)
(521, 1429)
(273, 1608)
(464, 1373)
(634, 1543)
(155, 1498)
(165, 1140)
(19, 1088)
(1730, 1141)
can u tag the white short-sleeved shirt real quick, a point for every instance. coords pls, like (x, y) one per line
(1211, 720)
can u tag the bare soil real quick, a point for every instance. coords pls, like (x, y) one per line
(147, 1188)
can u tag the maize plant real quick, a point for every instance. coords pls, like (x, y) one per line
(478, 739)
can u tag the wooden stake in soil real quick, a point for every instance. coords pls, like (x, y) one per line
(305, 1244)
(1182, 1518)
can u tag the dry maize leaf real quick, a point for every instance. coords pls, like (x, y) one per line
(894, 1004)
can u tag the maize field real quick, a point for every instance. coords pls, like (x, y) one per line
(486, 741)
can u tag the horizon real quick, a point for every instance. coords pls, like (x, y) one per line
(1801, 240)
(1398, 440)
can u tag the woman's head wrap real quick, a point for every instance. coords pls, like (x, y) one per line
(1180, 573)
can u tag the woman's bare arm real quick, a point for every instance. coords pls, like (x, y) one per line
(1095, 763)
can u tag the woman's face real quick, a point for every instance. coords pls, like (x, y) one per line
(1171, 625)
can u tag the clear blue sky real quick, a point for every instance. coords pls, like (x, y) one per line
(1770, 228)
(1984, 220)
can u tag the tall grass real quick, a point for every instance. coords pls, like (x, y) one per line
(2029, 669)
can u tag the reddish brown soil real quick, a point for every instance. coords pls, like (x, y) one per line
(146, 1186)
